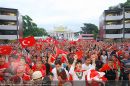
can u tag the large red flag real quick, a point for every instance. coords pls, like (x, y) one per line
(27, 42)
(59, 51)
(5, 50)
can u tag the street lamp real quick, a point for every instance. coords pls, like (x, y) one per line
(123, 30)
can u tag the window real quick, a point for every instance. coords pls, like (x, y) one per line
(113, 31)
(127, 30)
(8, 32)
(127, 11)
(7, 13)
(114, 14)
(109, 14)
(11, 23)
(113, 22)
(7, 22)
(109, 23)
(86, 36)
(127, 21)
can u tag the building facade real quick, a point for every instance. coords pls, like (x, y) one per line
(10, 24)
(115, 24)
(62, 32)
(86, 37)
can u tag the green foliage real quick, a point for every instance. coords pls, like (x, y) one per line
(90, 29)
(31, 29)
(127, 4)
(120, 5)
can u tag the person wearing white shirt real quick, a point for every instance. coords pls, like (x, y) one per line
(59, 73)
(104, 57)
(77, 73)
(87, 65)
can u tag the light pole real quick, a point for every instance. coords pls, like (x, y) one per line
(123, 30)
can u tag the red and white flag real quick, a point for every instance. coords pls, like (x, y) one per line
(5, 50)
(27, 42)
(59, 51)
(95, 75)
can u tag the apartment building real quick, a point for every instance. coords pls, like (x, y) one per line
(10, 24)
(115, 24)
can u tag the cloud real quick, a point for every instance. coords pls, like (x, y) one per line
(71, 13)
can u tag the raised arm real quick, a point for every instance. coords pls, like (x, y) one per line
(73, 65)
(75, 59)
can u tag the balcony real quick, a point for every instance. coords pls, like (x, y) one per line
(9, 37)
(127, 25)
(127, 15)
(114, 26)
(118, 17)
(8, 27)
(113, 36)
(7, 17)
(127, 35)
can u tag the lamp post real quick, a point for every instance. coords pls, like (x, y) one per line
(123, 30)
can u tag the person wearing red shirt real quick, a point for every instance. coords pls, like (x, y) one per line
(48, 66)
(117, 62)
(39, 66)
(110, 70)
(26, 66)
(3, 66)
(20, 77)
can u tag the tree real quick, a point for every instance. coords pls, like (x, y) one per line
(41, 32)
(31, 29)
(90, 29)
(120, 5)
(127, 3)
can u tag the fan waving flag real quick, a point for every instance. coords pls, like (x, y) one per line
(79, 54)
(5, 50)
(59, 51)
(95, 75)
(27, 42)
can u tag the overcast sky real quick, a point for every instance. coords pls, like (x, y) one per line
(69, 13)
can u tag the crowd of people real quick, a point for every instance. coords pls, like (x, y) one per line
(66, 63)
